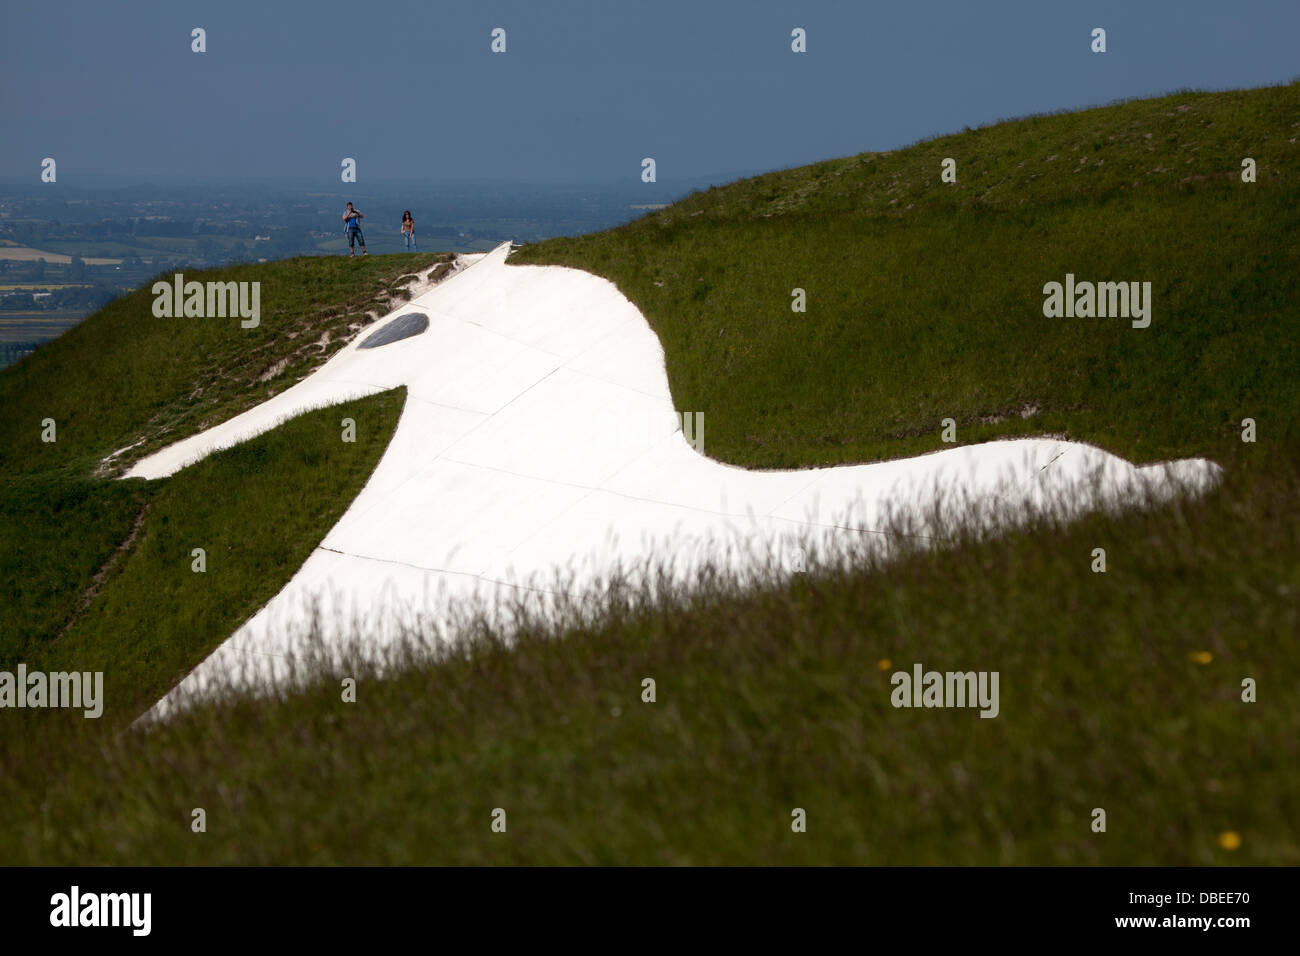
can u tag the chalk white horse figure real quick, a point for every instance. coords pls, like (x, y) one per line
(539, 441)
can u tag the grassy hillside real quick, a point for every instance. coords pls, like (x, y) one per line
(925, 299)
(1119, 690)
(126, 378)
(256, 510)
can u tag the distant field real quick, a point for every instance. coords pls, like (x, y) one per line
(36, 326)
(27, 253)
(51, 286)
(101, 248)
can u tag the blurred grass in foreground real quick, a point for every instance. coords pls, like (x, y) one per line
(767, 700)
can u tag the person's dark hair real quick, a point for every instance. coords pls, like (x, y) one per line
(406, 215)
(349, 204)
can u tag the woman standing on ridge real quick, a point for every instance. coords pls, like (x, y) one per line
(408, 230)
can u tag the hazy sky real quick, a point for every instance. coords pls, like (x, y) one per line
(585, 90)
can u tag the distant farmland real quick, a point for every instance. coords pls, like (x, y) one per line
(36, 326)
(27, 253)
(22, 332)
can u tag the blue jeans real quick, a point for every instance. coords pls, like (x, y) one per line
(410, 241)
(354, 237)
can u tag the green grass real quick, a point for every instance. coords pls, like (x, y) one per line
(100, 571)
(155, 617)
(766, 702)
(1119, 690)
(925, 299)
(125, 378)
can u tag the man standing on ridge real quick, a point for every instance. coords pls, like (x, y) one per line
(352, 221)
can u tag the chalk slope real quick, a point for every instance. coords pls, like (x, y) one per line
(539, 440)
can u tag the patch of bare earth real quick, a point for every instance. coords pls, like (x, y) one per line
(114, 561)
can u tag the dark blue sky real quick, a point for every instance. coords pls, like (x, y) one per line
(586, 89)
